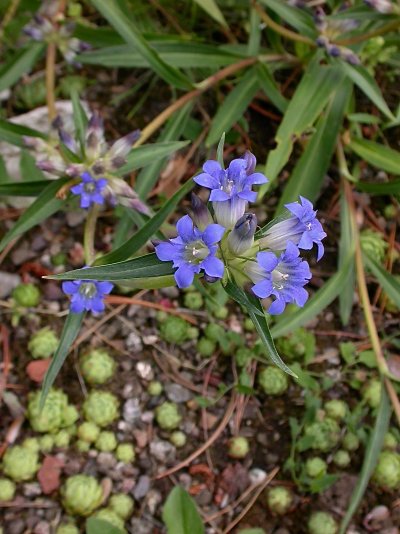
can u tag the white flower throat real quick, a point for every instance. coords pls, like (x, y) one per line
(196, 252)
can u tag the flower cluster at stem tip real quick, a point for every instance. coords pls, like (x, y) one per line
(221, 244)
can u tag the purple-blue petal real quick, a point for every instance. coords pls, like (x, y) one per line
(166, 251)
(184, 276)
(70, 288)
(267, 260)
(206, 180)
(213, 234)
(213, 266)
(217, 195)
(212, 167)
(277, 307)
(262, 289)
(184, 227)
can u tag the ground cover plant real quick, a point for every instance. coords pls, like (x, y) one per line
(199, 288)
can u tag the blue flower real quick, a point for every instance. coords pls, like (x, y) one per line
(283, 277)
(193, 250)
(90, 190)
(302, 228)
(230, 188)
(87, 294)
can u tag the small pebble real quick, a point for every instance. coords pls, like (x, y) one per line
(144, 370)
(7, 283)
(132, 410)
(177, 393)
(133, 342)
(257, 475)
(142, 487)
(163, 451)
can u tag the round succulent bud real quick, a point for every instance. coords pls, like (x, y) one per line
(205, 347)
(390, 441)
(350, 442)
(322, 522)
(389, 212)
(72, 430)
(88, 432)
(193, 332)
(109, 515)
(51, 417)
(372, 393)
(59, 259)
(161, 316)
(273, 380)
(106, 442)
(20, 463)
(298, 344)
(46, 443)
(62, 439)
(70, 416)
(387, 471)
(249, 325)
(97, 366)
(238, 447)
(279, 500)
(101, 408)
(178, 439)
(154, 388)
(341, 458)
(174, 330)
(316, 467)
(125, 453)
(325, 434)
(43, 343)
(373, 244)
(193, 300)
(32, 444)
(214, 332)
(168, 416)
(122, 505)
(335, 408)
(82, 446)
(221, 312)
(67, 528)
(7, 490)
(26, 295)
(243, 356)
(81, 495)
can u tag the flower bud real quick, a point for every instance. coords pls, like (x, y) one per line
(251, 161)
(242, 236)
(200, 214)
(121, 148)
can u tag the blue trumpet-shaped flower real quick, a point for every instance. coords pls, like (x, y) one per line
(87, 295)
(231, 189)
(90, 190)
(193, 250)
(282, 277)
(302, 228)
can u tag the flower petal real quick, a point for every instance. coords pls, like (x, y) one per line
(262, 289)
(267, 260)
(213, 266)
(212, 167)
(217, 195)
(206, 180)
(213, 234)
(70, 288)
(166, 251)
(185, 228)
(184, 276)
(277, 307)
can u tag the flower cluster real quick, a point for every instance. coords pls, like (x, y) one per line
(43, 28)
(222, 244)
(92, 166)
(87, 295)
(329, 30)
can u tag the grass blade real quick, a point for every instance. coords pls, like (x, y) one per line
(268, 85)
(21, 63)
(133, 244)
(130, 34)
(378, 155)
(70, 331)
(23, 189)
(147, 154)
(388, 188)
(212, 9)
(370, 459)
(14, 133)
(80, 118)
(298, 18)
(388, 282)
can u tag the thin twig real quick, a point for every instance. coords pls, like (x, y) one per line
(50, 80)
(89, 234)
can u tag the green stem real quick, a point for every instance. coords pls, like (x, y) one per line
(89, 234)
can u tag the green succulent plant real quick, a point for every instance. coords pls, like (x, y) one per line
(322, 522)
(273, 381)
(26, 295)
(279, 500)
(7, 489)
(43, 343)
(174, 330)
(106, 442)
(178, 439)
(324, 434)
(67, 528)
(316, 467)
(81, 495)
(373, 244)
(206, 347)
(238, 447)
(372, 393)
(387, 471)
(62, 439)
(46, 443)
(97, 366)
(55, 414)
(350, 442)
(101, 408)
(20, 463)
(193, 300)
(88, 432)
(155, 388)
(168, 416)
(341, 458)
(336, 409)
(298, 344)
(111, 517)
(125, 453)
(122, 505)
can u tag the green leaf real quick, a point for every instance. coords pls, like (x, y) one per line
(268, 85)
(130, 34)
(317, 303)
(148, 176)
(69, 333)
(309, 173)
(146, 154)
(363, 79)
(134, 243)
(212, 9)
(28, 169)
(80, 118)
(234, 106)
(387, 188)
(346, 250)
(237, 293)
(21, 63)
(389, 283)
(180, 514)
(99, 526)
(298, 18)
(14, 133)
(147, 266)
(374, 447)
(310, 98)
(220, 150)
(262, 328)
(44, 206)
(23, 189)
(378, 155)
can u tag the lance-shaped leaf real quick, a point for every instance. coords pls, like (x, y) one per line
(126, 28)
(147, 266)
(268, 85)
(14, 133)
(134, 243)
(28, 168)
(23, 189)
(146, 154)
(44, 206)
(388, 282)
(180, 514)
(238, 294)
(211, 8)
(376, 154)
(80, 118)
(21, 63)
(296, 17)
(387, 188)
(99, 526)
